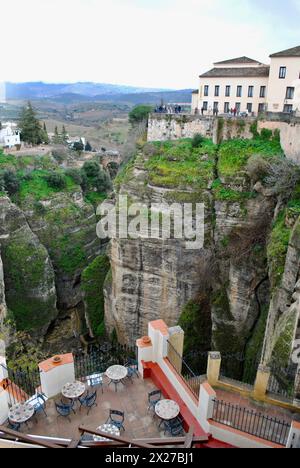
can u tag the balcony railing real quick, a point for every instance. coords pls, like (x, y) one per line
(251, 422)
(192, 380)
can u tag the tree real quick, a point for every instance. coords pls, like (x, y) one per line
(139, 114)
(78, 146)
(91, 168)
(64, 135)
(56, 180)
(45, 135)
(88, 146)
(31, 129)
(57, 137)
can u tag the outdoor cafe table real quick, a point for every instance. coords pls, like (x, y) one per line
(167, 410)
(21, 413)
(73, 390)
(107, 429)
(116, 373)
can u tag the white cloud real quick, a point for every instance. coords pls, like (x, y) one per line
(149, 43)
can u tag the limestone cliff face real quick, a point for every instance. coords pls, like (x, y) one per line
(66, 225)
(284, 313)
(153, 279)
(28, 272)
(3, 310)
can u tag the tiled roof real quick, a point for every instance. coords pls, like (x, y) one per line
(294, 52)
(237, 61)
(237, 72)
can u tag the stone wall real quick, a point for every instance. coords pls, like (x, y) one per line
(289, 136)
(163, 127)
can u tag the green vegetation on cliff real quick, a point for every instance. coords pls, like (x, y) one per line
(277, 248)
(234, 154)
(93, 278)
(27, 271)
(180, 164)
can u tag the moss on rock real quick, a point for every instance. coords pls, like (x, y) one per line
(93, 278)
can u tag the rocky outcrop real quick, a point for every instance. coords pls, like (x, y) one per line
(284, 312)
(28, 271)
(66, 225)
(3, 309)
(153, 279)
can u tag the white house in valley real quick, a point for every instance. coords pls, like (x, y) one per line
(9, 135)
(246, 85)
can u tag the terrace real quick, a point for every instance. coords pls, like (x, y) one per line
(215, 411)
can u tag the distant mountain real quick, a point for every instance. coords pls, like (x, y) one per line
(40, 90)
(152, 98)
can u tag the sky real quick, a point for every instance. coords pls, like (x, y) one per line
(147, 43)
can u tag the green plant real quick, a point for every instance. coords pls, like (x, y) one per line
(56, 180)
(93, 278)
(197, 140)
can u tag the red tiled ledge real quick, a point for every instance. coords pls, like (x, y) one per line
(49, 365)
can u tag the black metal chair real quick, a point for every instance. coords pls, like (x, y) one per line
(117, 419)
(133, 364)
(153, 398)
(88, 401)
(13, 426)
(38, 401)
(64, 410)
(95, 380)
(174, 427)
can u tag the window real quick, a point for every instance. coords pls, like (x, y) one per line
(205, 105)
(261, 108)
(288, 108)
(216, 106)
(238, 107)
(249, 108)
(262, 93)
(239, 91)
(217, 91)
(226, 108)
(282, 73)
(250, 91)
(206, 90)
(227, 91)
(290, 93)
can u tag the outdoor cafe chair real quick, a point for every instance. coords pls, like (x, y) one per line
(117, 419)
(88, 401)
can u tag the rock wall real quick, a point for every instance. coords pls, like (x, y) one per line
(28, 272)
(3, 310)
(66, 226)
(153, 279)
(163, 127)
(289, 136)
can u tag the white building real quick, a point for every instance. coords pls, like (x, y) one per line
(9, 135)
(246, 85)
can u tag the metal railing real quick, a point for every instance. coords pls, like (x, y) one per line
(21, 384)
(238, 367)
(101, 357)
(283, 381)
(251, 422)
(192, 380)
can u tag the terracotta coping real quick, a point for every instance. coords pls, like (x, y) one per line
(209, 389)
(49, 365)
(161, 326)
(296, 425)
(141, 344)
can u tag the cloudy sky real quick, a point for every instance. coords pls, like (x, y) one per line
(152, 43)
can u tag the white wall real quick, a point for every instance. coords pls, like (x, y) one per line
(3, 406)
(53, 381)
(257, 82)
(277, 87)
